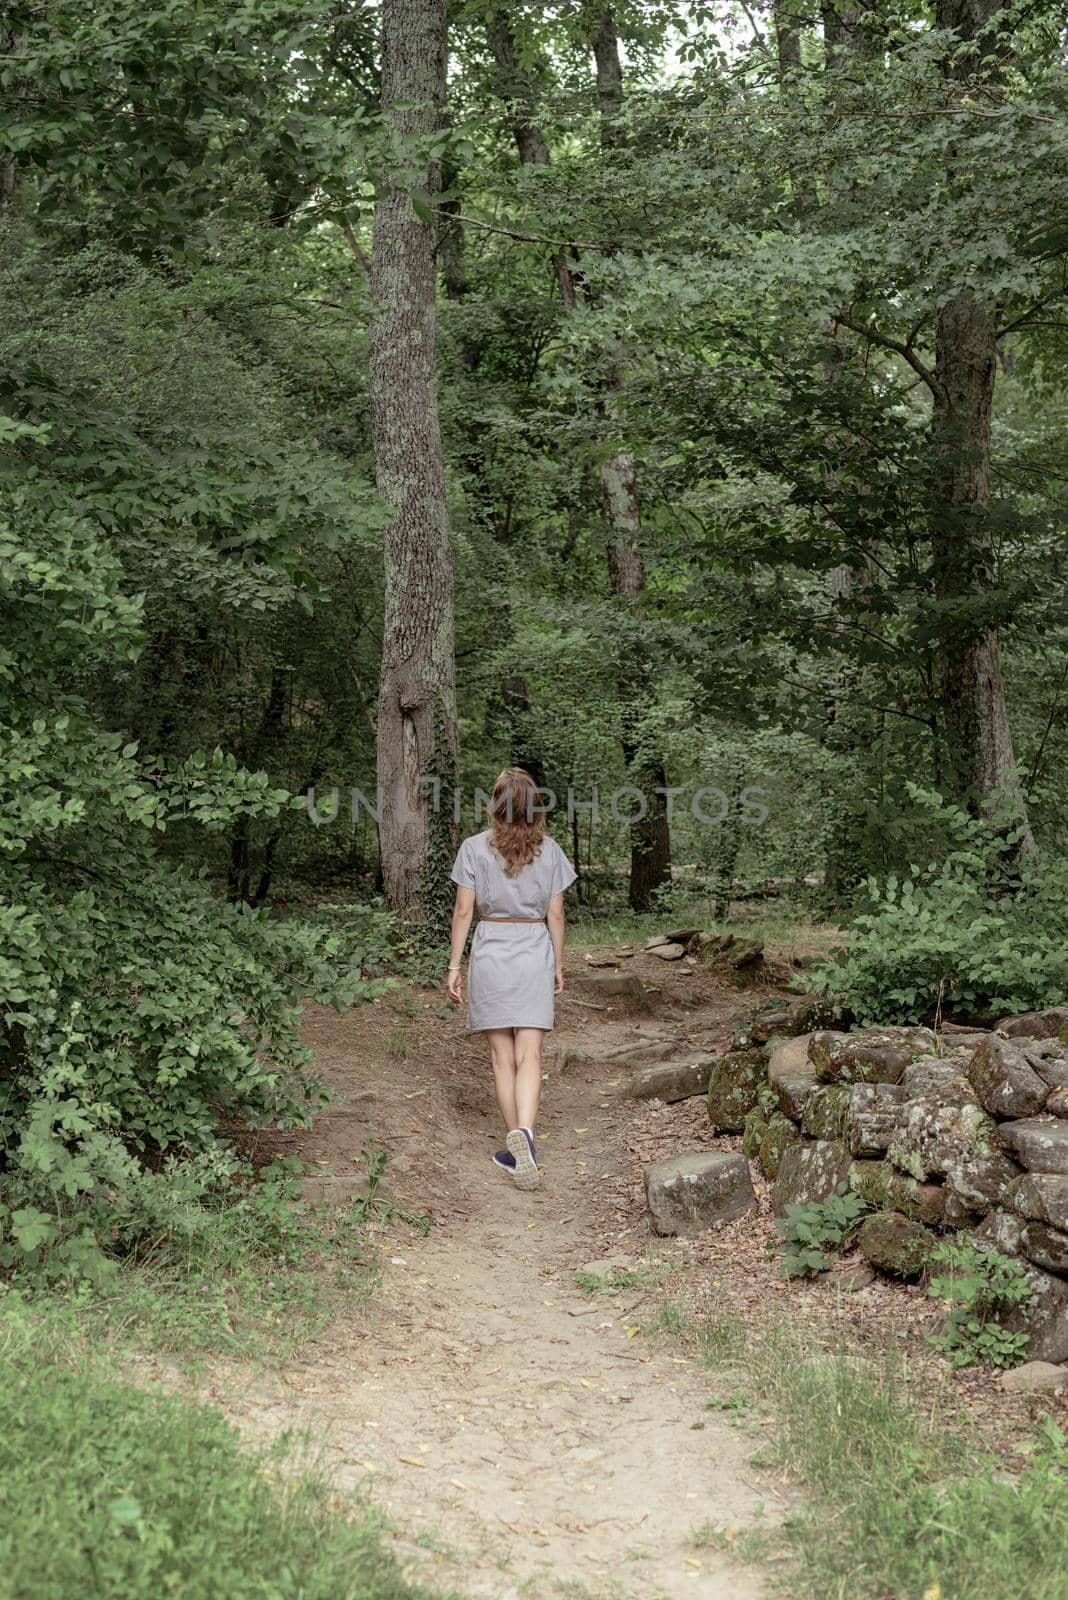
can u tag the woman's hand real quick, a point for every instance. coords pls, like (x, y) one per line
(558, 981)
(454, 985)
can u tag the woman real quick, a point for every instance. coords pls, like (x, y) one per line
(516, 875)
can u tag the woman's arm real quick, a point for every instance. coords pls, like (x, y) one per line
(462, 912)
(555, 919)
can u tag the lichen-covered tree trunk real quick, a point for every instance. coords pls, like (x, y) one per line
(417, 740)
(979, 756)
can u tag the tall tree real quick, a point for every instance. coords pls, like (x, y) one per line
(650, 858)
(417, 737)
(979, 746)
(650, 835)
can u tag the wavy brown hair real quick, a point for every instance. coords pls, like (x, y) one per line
(517, 825)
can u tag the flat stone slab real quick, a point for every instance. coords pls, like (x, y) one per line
(613, 988)
(667, 952)
(687, 1194)
(1034, 1377)
(669, 1080)
(324, 1189)
(1039, 1143)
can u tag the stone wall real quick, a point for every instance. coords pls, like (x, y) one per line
(963, 1129)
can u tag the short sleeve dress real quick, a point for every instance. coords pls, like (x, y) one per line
(510, 974)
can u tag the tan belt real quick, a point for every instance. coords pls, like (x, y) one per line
(511, 919)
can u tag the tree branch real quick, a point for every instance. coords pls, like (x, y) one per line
(903, 349)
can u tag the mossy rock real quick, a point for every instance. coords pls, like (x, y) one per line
(753, 1133)
(886, 1189)
(894, 1244)
(780, 1134)
(809, 1171)
(825, 1112)
(734, 1086)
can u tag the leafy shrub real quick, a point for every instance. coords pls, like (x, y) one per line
(811, 1233)
(961, 932)
(979, 1286)
(140, 1015)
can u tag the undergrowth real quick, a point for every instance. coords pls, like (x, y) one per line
(899, 1502)
(111, 1490)
(260, 1275)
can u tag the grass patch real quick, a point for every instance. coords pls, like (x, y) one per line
(620, 1279)
(260, 1275)
(901, 1503)
(109, 1490)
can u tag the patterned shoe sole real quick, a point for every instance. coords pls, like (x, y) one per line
(526, 1173)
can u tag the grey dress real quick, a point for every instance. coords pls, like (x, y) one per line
(510, 974)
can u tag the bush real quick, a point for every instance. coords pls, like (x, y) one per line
(111, 1490)
(968, 932)
(811, 1233)
(979, 1285)
(140, 1015)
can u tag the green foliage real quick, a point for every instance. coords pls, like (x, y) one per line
(810, 1233)
(224, 1261)
(377, 1205)
(980, 1285)
(964, 932)
(140, 1017)
(164, 1498)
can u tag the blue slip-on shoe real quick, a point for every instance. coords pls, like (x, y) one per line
(520, 1143)
(505, 1160)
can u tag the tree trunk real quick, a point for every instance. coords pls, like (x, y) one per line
(609, 75)
(650, 837)
(517, 92)
(650, 865)
(417, 739)
(979, 756)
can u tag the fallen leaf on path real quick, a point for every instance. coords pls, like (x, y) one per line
(411, 1461)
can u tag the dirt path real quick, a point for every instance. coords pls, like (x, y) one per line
(522, 1439)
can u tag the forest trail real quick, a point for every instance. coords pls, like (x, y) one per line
(520, 1440)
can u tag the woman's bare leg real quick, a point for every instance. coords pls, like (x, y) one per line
(528, 1043)
(502, 1058)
